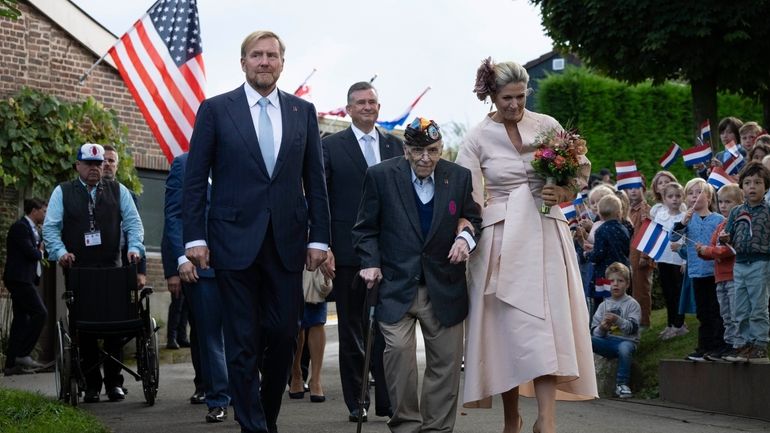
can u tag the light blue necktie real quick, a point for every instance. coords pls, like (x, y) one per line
(266, 143)
(369, 150)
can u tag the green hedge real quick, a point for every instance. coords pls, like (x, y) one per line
(623, 122)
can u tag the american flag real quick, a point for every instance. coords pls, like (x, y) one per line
(161, 61)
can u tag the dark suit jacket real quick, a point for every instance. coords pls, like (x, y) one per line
(171, 246)
(345, 169)
(245, 201)
(387, 234)
(22, 254)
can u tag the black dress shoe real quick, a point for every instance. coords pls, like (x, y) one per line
(198, 398)
(216, 414)
(116, 394)
(353, 417)
(172, 344)
(384, 412)
(91, 397)
(184, 343)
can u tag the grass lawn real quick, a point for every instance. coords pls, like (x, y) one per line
(652, 350)
(25, 412)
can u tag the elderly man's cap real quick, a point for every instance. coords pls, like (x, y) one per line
(91, 152)
(422, 132)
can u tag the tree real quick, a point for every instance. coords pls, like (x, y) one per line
(8, 9)
(633, 40)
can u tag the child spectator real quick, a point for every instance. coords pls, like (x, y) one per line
(612, 240)
(670, 265)
(593, 222)
(641, 264)
(615, 327)
(660, 180)
(696, 227)
(749, 132)
(729, 196)
(760, 149)
(766, 163)
(748, 232)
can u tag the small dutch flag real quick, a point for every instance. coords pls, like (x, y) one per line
(670, 156)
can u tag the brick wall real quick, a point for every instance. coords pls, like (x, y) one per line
(37, 53)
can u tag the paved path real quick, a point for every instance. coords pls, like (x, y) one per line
(172, 412)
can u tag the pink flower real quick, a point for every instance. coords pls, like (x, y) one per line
(559, 161)
(548, 154)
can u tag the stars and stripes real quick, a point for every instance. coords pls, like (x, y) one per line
(651, 239)
(161, 61)
(697, 155)
(670, 156)
(719, 178)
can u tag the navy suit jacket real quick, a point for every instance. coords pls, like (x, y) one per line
(171, 245)
(22, 254)
(345, 170)
(245, 201)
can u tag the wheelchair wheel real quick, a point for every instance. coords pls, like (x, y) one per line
(66, 387)
(149, 365)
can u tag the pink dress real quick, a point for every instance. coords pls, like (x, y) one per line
(528, 316)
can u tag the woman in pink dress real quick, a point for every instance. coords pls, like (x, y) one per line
(527, 330)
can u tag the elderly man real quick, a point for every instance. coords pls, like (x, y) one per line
(82, 228)
(405, 237)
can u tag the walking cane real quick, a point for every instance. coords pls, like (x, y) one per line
(371, 302)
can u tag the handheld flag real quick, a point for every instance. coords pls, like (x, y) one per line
(719, 178)
(161, 61)
(651, 239)
(731, 147)
(625, 167)
(670, 156)
(705, 132)
(389, 125)
(629, 180)
(603, 287)
(568, 208)
(733, 164)
(697, 155)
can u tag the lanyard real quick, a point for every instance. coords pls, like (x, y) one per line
(91, 212)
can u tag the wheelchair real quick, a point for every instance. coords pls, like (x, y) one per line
(105, 302)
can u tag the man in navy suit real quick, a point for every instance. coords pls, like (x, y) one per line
(24, 250)
(268, 218)
(200, 288)
(347, 155)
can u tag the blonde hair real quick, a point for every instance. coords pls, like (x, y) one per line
(732, 191)
(672, 185)
(705, 188)
(618, 269)
(749, 126)
(609, 207)
(625, 204)
(766, 161)
(261, 34)
(600, 190)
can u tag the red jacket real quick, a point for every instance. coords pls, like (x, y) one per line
(723, 256)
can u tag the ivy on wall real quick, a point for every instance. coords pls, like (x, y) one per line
(623, 122)
(40, 136)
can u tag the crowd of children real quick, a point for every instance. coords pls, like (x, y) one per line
(718, 254)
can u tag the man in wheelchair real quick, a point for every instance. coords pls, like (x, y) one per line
(82, 229)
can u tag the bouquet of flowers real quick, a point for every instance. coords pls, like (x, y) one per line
(557, 158)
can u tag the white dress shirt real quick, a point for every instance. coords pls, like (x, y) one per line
(375, 144)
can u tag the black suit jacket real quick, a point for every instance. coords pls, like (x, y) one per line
(22, 254)
(345, 170)
(245, 200)
(388, 235)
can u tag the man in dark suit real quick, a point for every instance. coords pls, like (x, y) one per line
(24, 250)
(268, 218)
(200, 288)
(406, 238)
(347, 155)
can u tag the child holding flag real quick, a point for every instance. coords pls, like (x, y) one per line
(615, 327)
(612, 240)
(748, 232)
(696, 227)
(729, 196)
(670, 263)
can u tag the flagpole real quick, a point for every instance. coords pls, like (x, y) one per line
(371, 80)
(101, 59)
(306, 80)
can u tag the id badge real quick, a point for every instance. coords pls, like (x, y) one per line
(93, 238)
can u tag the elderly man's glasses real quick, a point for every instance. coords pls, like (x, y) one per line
(418, 152)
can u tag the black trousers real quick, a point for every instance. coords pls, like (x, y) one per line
(352, 322)
(262, 307)
(671, 284)
(29, 316)
(711, 331)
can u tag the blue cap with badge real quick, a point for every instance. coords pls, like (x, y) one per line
(91, 152)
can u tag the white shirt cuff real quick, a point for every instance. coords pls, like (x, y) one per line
(318, 246)
(198, 243)
(180, 261)
(468, 238)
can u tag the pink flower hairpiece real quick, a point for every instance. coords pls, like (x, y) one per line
(485, 79)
